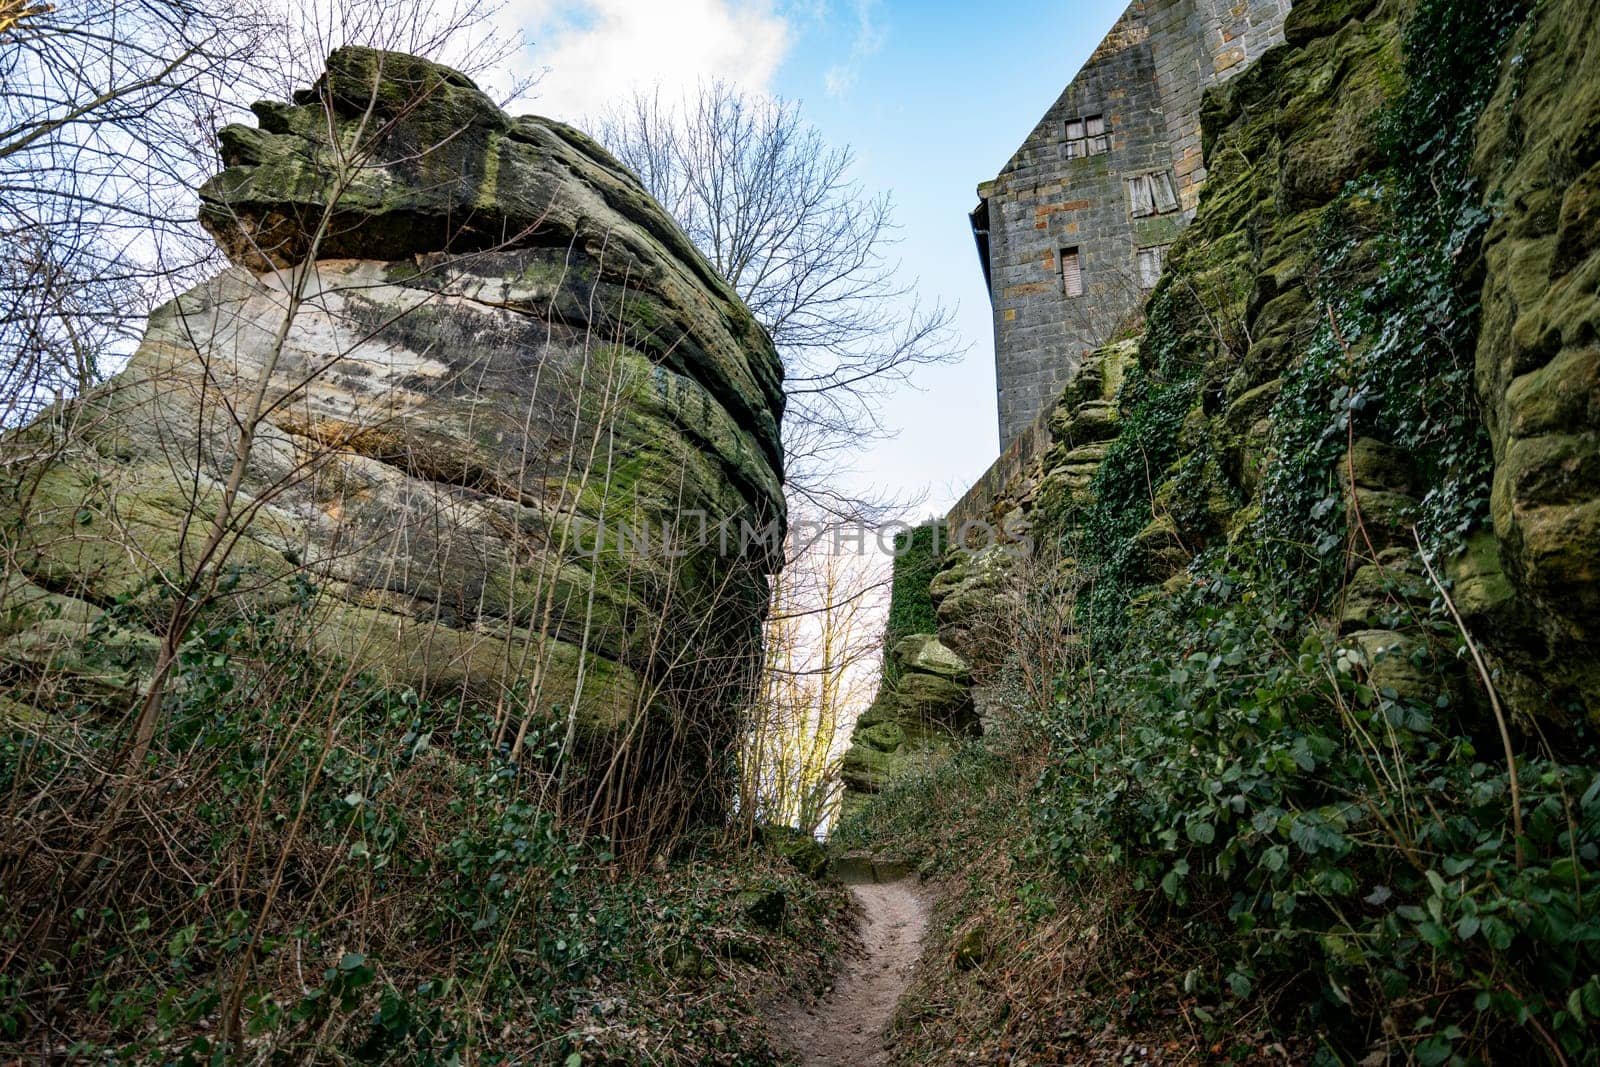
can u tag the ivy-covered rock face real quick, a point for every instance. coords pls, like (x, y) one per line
(1316, 384)
(502, 413)
(1333, 554)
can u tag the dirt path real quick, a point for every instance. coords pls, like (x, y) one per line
(846, 1028)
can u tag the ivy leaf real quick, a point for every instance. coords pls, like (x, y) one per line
(1434, 1051)
(1434, 934)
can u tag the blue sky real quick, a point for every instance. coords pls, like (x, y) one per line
(932, 96)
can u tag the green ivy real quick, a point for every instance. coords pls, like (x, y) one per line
(1394, 359)
(1326, 835)
(1347, 850)
(1110, 557)
(918, 554)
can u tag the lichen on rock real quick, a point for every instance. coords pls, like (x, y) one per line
(506, 409)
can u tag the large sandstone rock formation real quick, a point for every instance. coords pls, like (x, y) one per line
(502, 349)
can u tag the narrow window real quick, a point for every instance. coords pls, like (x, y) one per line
(1151, 260)
(1087, 136)
(1071, 272)
(1075, 141)
(1095, 130)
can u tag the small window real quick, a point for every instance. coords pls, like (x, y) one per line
(1151, 260)
(1087, 136)
(1094, 127)
(1071, 272)
(1151, 194)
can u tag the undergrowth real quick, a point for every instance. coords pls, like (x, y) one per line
(323, 869)
(1345, 854)
(1027, 964)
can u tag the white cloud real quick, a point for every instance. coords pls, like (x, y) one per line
(870, 35)
(596, 51)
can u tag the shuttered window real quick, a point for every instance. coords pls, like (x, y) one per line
(1071, 272)
(1151, 194)
(1151, 260)
(1094, 128)
(1141, 199)
(1087, 136)
(1166, 195)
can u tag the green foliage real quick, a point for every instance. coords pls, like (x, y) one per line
(918, 554)
(397, 890)
(1339, 857)
(1394, 359)
(1123, 488)
(1324, 835)
(907, 817)
(1330, 837)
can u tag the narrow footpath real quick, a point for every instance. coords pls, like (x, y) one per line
(845, 1029)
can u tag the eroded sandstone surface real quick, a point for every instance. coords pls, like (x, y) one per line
(501, 349)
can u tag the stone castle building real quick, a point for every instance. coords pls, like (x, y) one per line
(1073, 231)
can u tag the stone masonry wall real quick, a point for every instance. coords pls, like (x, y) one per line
(1198, 43)
(1146, 79)
(1044, 202)
(976, 505)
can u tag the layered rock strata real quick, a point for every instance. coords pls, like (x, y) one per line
(916, 718)
(469, 410)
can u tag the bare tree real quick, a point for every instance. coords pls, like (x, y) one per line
(106, 117)
(823, 640)
(466, 35)
(108, 113)
(777, 211)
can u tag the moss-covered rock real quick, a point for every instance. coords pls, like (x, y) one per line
(915, 719)
(1538, 367)
(512, 427)
(926, 654)
(803, 852)
(1297, 219)
(765, 906)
